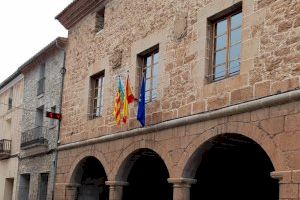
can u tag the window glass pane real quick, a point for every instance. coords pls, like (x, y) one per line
(234, 52)
(95, 103)
(155, 70)
(148, 72)
(219, 72)
(154, 94)
(148, 84)
(156, 57)
(220, 57)
(221, 27)
(236, 20)
(148, 61)
(234, 67)
(95, 92)
(147, 96)
(235, 36)
(42, 71)
(221, 42)
(154, 82)
(96, 82)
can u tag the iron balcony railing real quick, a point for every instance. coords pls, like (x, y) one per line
(34, 137)
(5, 148)
(41, 86)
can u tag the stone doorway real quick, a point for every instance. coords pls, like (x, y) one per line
(90, 177)
(147, 177)
(234, 167)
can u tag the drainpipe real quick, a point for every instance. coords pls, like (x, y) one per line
(62, 71)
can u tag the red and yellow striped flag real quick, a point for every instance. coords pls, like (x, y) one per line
(129, 98)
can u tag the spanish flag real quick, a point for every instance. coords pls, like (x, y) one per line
(129, 98)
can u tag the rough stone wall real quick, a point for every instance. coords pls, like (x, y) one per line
(269, 59)
(44, 161)
(275, 129)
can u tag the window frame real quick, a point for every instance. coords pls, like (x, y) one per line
(10, 98)
(94, 98)
(100, 15)
(213, 23)
(40, 184)
(149, 53)
(41, 80)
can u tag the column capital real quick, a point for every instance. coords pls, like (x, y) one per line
(288, 176)
(72, 185)
(182, 182)
(116, 183)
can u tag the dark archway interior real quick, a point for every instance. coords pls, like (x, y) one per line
(235, 168)
(91, 176)
(147, 178)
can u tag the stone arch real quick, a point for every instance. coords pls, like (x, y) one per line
(187, 167)
(119, 170)
(87, 153)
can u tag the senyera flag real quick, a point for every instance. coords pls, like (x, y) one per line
(118, 101)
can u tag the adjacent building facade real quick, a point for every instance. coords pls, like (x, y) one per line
(222, 92)
(43, 80)
(11, 103)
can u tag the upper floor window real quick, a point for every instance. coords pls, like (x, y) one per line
(226, 39)
(97, 88)
(99, 20)
(10, 98)
(41, 81)
(150, 71)
(39, 117)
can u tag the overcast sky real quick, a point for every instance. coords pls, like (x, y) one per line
(26, 27)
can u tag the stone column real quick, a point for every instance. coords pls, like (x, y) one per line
(71, 191)
(116, 189)
(181, 187)
(289, 182)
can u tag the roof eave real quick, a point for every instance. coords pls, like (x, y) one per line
(58, 43)
(9, 79)
(77, 10)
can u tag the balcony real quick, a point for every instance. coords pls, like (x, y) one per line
(41, 86)
(34, 138)
(5, 148)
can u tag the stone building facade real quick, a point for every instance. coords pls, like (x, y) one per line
(11, 103)
(228, 131)
(43, 77)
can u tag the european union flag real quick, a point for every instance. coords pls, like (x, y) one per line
(141, 108)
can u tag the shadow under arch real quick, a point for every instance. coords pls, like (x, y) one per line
(117, 172)
(231, 166)
(89, 176)
(261, 137)
(147, 175)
